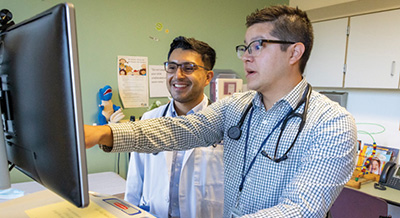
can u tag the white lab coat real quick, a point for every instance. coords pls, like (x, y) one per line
(201, 185)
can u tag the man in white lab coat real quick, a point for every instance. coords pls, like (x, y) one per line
(181, 183)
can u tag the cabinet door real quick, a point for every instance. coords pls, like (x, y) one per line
(326, 64)
(373, 58)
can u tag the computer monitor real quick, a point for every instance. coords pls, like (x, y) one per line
(41, 102)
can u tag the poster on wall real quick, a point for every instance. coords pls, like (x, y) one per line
(158, 80)
(133, 81)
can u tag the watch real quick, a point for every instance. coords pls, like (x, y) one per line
(105, 148)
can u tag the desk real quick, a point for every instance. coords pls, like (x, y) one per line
(390, 195)
(107, 183)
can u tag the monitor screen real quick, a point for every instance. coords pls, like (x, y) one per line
(41, 102)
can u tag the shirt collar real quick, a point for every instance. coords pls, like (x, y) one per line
(292, 98)
(203, 104)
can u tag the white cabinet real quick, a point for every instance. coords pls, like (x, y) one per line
(373, 55)
(326, 64)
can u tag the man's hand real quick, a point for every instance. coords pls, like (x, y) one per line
(98, 135)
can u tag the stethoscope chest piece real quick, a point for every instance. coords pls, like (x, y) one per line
(234, 132)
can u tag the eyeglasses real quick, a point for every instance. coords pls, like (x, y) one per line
(187, 67)
(255, 47)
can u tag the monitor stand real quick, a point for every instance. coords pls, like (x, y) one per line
(4, 172)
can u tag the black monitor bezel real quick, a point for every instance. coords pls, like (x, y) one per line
(19, 149)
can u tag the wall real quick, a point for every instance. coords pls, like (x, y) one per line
(307, 5)
(368, 106)
(107, 29)
(350, 8)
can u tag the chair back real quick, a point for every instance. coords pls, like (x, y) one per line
(353, 203)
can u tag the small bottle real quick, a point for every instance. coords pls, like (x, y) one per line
(132, 119)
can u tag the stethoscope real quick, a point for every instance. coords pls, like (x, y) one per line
(234, 132)
(167, 107)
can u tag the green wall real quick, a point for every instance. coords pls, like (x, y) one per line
(108, 28)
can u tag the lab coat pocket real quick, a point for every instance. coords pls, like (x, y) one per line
(209, 168)
(211, 209)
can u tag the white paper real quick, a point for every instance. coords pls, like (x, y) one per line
(133, 81)
(158, 81)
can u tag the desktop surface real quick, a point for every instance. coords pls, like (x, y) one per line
(106, 191)
(390, 195)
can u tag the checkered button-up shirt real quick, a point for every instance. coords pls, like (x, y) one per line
(305, 185)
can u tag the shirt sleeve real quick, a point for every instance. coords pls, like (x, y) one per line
(323, 172)
(201, 129)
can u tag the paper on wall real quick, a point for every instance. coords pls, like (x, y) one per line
(133, 81)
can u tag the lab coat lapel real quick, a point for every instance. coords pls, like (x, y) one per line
(186, 157)
(168, 162)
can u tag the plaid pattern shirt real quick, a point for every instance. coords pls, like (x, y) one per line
(305, 185)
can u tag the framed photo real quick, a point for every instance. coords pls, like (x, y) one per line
(375, 163)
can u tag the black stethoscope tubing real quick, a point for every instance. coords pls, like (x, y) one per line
(234, 132)
(259, 149)
(166, 108)
(305, 99)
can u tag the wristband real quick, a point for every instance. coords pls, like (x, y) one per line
(105, 148)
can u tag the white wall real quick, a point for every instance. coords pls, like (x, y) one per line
(372, 106)
(373, 109)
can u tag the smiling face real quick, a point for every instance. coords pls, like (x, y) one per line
(375, 166)
(187, 88)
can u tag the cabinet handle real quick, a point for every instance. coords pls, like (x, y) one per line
(393, 68)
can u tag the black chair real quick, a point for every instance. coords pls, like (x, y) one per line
(353, 204)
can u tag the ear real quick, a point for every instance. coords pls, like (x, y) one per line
(209, 76)
(297, 51)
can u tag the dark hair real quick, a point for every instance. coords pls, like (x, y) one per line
(290, 24)
(207, 53)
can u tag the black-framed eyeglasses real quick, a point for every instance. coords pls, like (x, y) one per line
(255, 47)
(186, 67)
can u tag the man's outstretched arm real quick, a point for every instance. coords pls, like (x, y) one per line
(98, 135)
